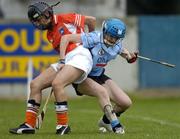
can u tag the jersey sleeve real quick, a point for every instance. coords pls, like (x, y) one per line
(74, 18)
(120, 48)
(90, 39)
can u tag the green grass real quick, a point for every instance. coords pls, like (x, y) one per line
(148, 118)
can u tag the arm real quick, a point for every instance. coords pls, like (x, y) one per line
(65, 40)
(90, 21)
(125, 53)
(80, 20)
(130, 57)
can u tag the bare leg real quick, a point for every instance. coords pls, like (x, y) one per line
(118, 96)
(66, 76)
(122, 102)
(91, 88)
(41, 82)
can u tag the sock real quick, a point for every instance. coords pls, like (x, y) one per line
(115, 124)
(118, 114)
(31, 112)
(106, 120)
(61, 113)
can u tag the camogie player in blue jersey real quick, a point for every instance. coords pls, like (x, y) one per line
(104, 46)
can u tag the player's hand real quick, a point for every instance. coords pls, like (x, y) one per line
(133, 57)
(61, 64)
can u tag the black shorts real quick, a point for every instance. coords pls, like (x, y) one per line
(99, 79)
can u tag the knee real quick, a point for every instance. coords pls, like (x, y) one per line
(57, 84)
(126, 103)
(34, 85)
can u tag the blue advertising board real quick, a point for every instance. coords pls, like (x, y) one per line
(19, 42)
(159, 39)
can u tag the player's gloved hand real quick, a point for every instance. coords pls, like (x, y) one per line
(61, 64)
(133, 57)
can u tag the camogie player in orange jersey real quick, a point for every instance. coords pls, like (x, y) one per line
(73, 68)
(78, 64)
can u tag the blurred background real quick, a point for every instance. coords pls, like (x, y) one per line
(152, 29)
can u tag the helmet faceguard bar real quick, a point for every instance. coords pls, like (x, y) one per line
(55, 4)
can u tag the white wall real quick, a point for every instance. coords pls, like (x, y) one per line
(99, 8)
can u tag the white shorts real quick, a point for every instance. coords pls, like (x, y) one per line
(79, 58)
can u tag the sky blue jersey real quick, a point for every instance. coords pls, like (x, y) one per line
(100, 53)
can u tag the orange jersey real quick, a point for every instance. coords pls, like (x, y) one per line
(65, 24)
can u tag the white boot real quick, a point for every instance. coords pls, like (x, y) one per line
(103, 127)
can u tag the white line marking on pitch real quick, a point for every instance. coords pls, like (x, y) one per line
(161, 122)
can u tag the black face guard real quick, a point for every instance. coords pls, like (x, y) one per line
(41, 26)
(40, 10)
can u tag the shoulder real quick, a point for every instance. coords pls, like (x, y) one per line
(64, 16)
(96, 34)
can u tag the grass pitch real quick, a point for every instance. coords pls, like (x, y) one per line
(148, 118)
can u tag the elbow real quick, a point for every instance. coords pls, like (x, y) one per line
(90, 19)
(93, 20)
(90, 22)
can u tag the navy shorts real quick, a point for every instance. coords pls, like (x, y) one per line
(99, 79)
